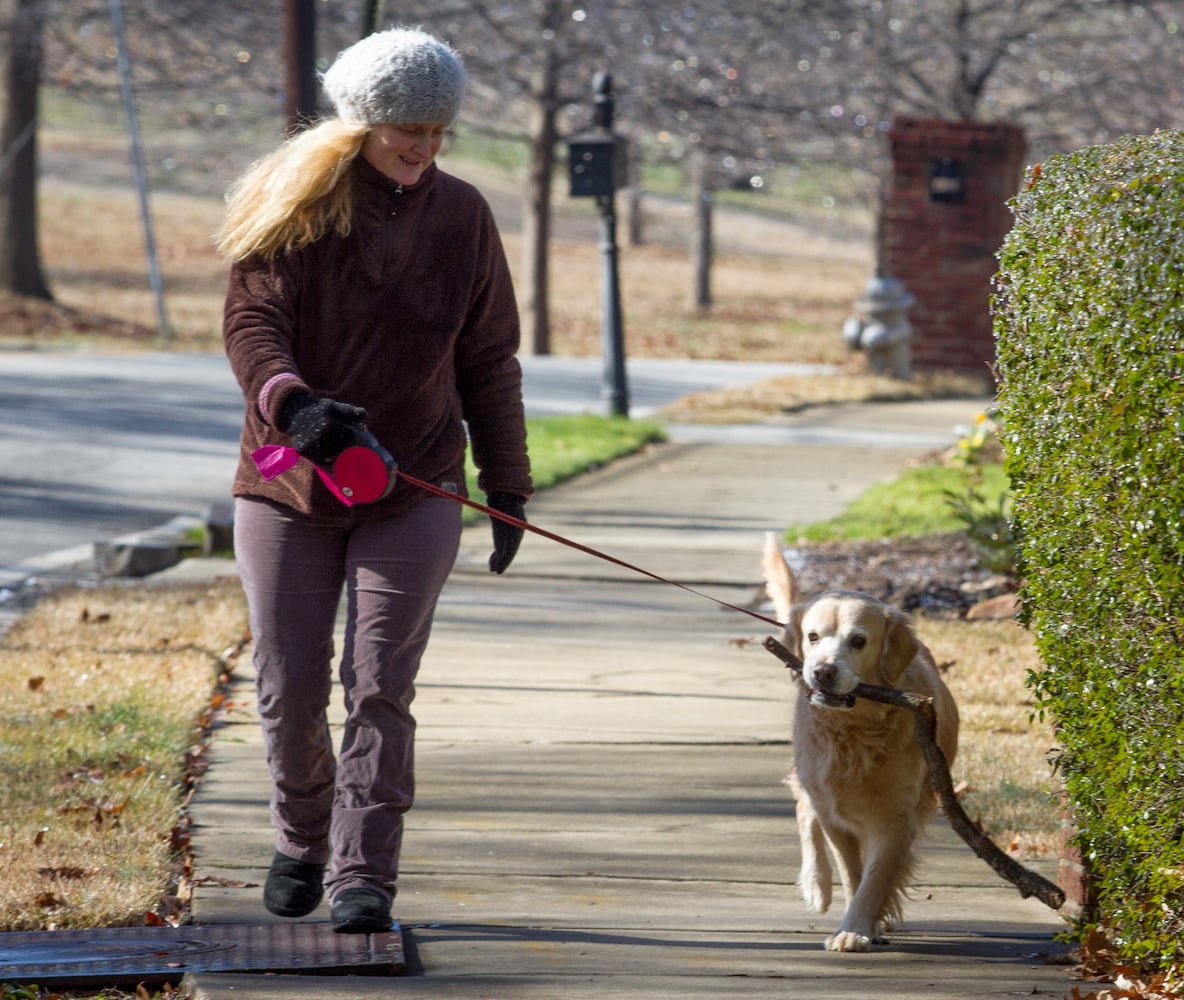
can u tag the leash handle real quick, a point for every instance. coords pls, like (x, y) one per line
(518, 522)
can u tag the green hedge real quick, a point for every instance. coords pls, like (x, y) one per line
(1089, 318)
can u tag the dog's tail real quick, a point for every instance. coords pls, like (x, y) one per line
(780, 583)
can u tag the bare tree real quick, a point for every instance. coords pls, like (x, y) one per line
(21, 22)
(1069, 72)
(747, 86)
(822, 80)
(710, 85)
(300, 47)
(534, 39)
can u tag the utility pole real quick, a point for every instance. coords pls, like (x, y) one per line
(164, 329)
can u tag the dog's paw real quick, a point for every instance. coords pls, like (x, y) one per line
(848, 941)
(815, 891)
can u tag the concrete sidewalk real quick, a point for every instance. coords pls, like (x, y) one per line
(600, 762)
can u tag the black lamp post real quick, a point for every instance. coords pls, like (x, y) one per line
(597, 167)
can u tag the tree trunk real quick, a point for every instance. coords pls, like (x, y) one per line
(20, 259)
(372, 15)
(636, 212)
(300, 56)
(534, 286)
(704, 245)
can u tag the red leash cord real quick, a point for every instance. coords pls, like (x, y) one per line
(587, 549)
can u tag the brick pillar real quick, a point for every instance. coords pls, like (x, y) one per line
(945, 251)
(1074, 877)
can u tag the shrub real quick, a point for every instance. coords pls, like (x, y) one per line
(1089, 318)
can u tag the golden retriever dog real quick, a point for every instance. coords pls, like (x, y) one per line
(861, 785)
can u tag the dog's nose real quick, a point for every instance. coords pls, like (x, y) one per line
(825, 675)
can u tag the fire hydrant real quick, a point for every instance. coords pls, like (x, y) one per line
(880, 328)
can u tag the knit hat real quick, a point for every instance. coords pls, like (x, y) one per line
(398, 77)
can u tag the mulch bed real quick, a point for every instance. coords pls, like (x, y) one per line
(937, 575)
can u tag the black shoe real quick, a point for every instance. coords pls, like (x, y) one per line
(293, 888)
(361, 911)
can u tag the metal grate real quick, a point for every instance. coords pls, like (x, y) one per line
(152, 955)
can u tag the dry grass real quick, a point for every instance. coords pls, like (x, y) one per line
(98, 690)
(1003, 753)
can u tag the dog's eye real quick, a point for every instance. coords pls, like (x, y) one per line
(812, 637)
(858, 641)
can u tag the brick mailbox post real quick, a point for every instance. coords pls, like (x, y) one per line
(945, 216)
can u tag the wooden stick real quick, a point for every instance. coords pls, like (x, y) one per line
(1028, 882)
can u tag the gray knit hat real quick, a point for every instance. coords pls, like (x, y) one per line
(398, 77)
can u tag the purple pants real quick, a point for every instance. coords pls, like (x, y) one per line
(345, 811)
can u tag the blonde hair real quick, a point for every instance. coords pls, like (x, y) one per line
(293, 196)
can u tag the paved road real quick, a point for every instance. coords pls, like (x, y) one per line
(93, 446)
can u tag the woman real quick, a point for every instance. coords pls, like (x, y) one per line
(367, 287)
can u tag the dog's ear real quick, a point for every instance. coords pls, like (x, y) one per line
(793, 630)
(899, 646)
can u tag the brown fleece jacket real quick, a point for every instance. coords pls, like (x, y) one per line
(411, 316)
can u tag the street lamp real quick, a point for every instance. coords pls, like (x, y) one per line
(597, 167)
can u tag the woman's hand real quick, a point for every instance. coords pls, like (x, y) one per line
(506, 536)
(320, 429)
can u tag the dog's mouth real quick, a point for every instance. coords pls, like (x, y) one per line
(824, 699)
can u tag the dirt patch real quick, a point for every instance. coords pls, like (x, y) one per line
(35, 322)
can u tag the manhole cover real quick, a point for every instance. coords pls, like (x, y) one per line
(164, 954)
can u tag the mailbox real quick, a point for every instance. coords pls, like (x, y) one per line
(596, 163)
(947, 182)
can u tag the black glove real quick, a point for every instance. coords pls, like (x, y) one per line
(320, 429)
(506, 537)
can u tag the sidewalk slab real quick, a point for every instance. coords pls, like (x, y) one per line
(600, 762)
